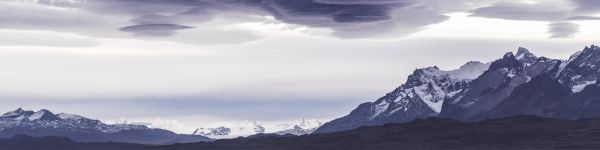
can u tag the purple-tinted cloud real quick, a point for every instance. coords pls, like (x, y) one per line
(576, 18)
(521, 11)
(562, 29)
(154, 29)
(557, 13)
(346, 18)
(587, 6)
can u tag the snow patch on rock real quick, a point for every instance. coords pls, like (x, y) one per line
(579, 87)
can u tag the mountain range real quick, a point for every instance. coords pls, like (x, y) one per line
(519, 100)
(516, 132)
(82, 129)
(247, 128)
(518, 83)
(79, 128)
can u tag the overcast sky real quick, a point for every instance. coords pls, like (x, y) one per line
(199, 62)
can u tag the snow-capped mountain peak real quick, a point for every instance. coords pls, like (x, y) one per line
(46, 119)
(218, 131)
(308, 123)
(17, 114)
(247, 128)
(231, 129)
(18, 111)
(43, 115)
(432, 85)
(66, 116)
(23, 115)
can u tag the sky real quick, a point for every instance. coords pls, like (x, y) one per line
(194, 63)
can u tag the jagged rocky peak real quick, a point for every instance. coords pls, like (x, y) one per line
(511, 61)
(468, 71)
(508, 55)
(590, 53)
(525, 56)
(591, 47)
(581, 69)
(507, 61)
(522, 50)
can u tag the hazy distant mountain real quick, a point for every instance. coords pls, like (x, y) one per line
(247, 128)
(78, 128)
(515, 84)
(301, 127)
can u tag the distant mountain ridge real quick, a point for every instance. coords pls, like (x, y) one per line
(519, 83)
(79, 128)
(248, 128)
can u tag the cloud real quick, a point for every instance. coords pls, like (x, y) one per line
(345, 18)
(34, 16)
(117, 19)
(154, 29)
(44, 38)
(587, 6)
(352, 2)
(356, 18)
(562, 29)
(523, 11)
(577, 18)
(557, 13)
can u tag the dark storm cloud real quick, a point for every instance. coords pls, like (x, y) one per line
(562, 29)
(354, 19)
(294, 11)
